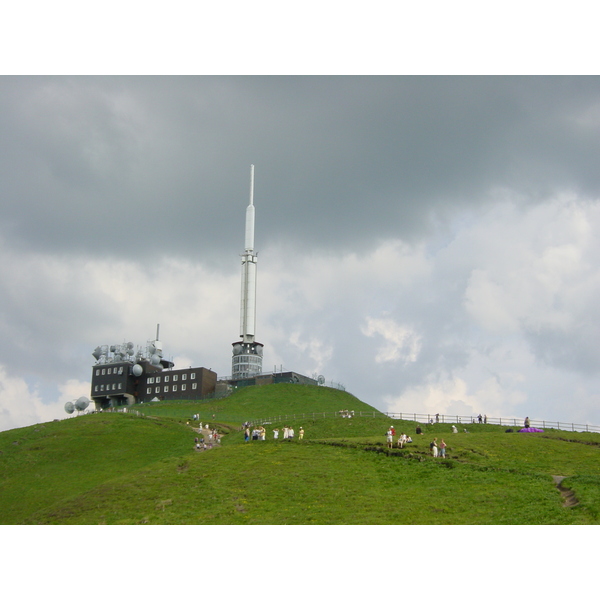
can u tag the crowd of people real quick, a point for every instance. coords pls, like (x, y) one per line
(260, 433)
(402, 438)
(211, 437)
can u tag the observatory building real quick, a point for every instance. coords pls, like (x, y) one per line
(248, 353)
(123, 376)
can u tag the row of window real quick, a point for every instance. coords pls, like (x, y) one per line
(119, 371)
(119, 386)
(110, 371)
(248, 358)
(175, 378)
(166, 388)
(107, 387)
(246, 368)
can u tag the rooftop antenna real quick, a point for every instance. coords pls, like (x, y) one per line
(157, 330)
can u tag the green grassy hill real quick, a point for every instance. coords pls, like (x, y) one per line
(264, 402)
(121, 468)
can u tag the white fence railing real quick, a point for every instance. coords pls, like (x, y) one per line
(462, 420)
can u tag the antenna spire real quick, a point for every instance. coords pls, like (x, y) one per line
(247, 354)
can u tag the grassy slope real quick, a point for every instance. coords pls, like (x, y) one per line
(268, 401)
(121, 469)
(43, 466)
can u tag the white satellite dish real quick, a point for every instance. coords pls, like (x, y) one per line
(82, 403)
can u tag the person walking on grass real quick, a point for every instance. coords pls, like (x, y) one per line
(443, 449)
(390, 438)
(301, 433)
(434, 448)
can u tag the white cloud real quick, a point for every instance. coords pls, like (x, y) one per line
(402, 343)
(20, 406)
(318, 351)
(72, 390)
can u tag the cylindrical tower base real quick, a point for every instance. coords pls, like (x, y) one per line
(247, 360)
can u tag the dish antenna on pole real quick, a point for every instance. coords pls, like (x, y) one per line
(77, 405)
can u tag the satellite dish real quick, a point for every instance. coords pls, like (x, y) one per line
(69, 408)
(97, 353)
(155, 360)
(137, 370)
(321, 380)
(82, 403)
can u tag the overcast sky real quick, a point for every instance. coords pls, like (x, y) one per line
(428, 242)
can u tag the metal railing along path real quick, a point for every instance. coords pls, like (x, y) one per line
(423, 418)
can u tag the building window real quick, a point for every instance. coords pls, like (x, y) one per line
(103, 371)
(95, 388)
(120, 370)
(97, 372)
(120, 386)
(175, 377)
(184, 377)
(150, 380)
(149, 391)
(174, 388)
(102, 388)
(183, 386)
(166, 388)
(158, 380)
(194, 385)
(166, 379)
(193, 376)
(157, 390)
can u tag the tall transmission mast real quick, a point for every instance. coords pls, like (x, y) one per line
(247, 353)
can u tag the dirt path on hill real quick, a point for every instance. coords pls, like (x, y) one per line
(569, 498)
(203, 434)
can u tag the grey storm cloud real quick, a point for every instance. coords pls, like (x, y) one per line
(155, 165)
